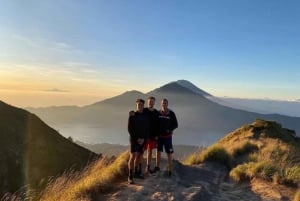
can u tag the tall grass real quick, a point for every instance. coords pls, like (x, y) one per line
(213, 153)
(95, 178)
(262, 149)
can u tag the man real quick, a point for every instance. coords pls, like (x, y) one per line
(151, 143)
(167, 124)
(138, 131)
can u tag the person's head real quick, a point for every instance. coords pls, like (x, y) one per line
(150, 102)
(139, 104)
(164, 104)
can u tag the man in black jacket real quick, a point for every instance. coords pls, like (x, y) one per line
(138, 131)
(151, 143)
(167, 124)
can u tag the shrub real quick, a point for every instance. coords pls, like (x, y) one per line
(244, 149)
(238, 173)
(216, 154)
(265, 170)
(243, 172)
(292, 175)
(193, 159)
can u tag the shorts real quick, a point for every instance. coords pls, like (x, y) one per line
(150, 144)
(135, 147)
(165, 143)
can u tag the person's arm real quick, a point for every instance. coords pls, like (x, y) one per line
(130, 127)
(174, 122)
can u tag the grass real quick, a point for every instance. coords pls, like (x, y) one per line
(262, 149)
(95, 178)
(297, 196)
(213, 153)
(246, 148)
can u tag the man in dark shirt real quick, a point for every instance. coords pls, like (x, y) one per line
(138, 132)
(151, 143)
(167, 124)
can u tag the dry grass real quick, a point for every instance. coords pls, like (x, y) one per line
(213, 153)
(262, 149)
(297, 196)
(97, 177)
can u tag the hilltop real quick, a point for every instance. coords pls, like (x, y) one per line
(268, 152)
(31, 152)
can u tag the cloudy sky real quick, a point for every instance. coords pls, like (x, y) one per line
(72, 52)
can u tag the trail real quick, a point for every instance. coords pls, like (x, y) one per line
(207, 182)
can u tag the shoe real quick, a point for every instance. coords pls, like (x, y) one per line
(130, 180)
(156, 169)
(139, 176)
(149, 171)
(169, 173)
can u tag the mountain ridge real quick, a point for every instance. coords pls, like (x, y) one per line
(31, 151)
(200, 119)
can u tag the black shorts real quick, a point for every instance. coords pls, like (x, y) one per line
(166, 143)
(135, 147)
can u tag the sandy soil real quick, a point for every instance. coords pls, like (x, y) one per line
(207, 182)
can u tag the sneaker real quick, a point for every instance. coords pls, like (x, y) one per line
(156, 169)
(149, 171)
(130, 180)
(139, 176)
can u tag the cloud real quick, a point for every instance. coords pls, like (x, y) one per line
(44, 44)
(56, 90)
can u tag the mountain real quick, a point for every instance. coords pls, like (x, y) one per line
(265, 106)
(201, 121)
(193, 87)
(31, 152)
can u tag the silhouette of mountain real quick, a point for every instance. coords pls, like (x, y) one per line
(31, 151)
(192, 87)
(201, 121)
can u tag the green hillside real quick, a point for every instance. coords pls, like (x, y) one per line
(31, 151)
(263, 149)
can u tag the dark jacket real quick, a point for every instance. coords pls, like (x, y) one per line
(153, 122)
(138, 126)
(167, 123)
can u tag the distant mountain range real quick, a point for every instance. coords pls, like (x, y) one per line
(31, 152)
(201, 120)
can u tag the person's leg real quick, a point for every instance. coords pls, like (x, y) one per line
(149, 158)
(169, 151)
(158, 154)
(130, 168)
(138, 163)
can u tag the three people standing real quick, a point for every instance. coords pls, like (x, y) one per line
(149, 129)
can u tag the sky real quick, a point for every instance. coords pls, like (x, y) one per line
(71, 52)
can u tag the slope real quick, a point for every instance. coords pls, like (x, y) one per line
(31, 151)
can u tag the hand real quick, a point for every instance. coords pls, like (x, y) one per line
(131, 113)
(140, 141)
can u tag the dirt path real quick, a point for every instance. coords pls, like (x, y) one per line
(207, 182)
